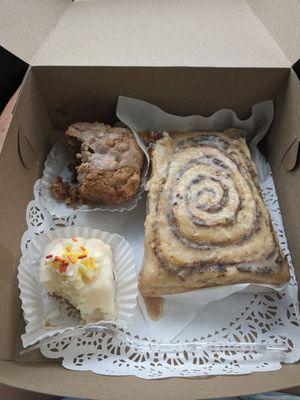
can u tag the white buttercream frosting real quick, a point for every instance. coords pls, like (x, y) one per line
(81, 271)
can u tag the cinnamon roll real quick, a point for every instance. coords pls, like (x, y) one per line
(207, 224)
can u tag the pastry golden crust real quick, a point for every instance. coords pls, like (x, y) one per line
(207, 224)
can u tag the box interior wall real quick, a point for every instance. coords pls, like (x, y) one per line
(53, 97)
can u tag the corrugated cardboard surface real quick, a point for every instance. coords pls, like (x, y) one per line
(95, 90)
(282, 19)
(25, 24)
(161, 33)
(16, 181)
(51, 378)
(122, 32)
(285, 129)
(90, 93)
(117, 32)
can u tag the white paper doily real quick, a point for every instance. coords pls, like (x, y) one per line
(257, 318)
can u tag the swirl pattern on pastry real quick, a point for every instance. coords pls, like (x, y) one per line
(206, 211)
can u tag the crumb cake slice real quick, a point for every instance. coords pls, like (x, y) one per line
(107, 165)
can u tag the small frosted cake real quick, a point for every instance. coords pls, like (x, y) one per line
(82, 272)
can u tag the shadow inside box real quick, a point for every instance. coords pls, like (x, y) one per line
(11, 393)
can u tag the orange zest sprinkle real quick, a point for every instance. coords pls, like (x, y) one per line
(89, 263)
(71, 258)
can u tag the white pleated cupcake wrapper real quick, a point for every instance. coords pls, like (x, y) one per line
(39, 307)
(57, 165)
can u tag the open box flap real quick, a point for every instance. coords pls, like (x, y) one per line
(191, 33)
(161, 33)
(25, 25)
(281, 18)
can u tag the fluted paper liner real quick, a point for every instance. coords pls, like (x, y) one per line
(46, 316)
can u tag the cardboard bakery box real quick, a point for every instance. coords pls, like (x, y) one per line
(187, 57)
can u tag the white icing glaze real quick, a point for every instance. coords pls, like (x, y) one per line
(106, 148)
(90, 290)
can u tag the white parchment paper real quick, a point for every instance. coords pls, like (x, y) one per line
(139, 115)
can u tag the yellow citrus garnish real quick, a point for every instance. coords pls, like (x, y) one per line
(89, 263)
